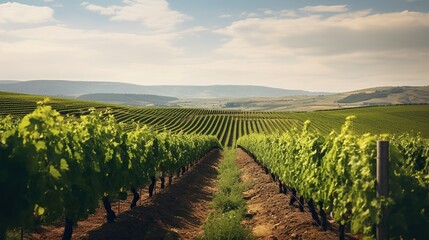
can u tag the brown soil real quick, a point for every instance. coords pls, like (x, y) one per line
(268, 212)
(175, 212)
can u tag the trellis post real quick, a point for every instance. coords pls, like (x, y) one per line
(383, 187)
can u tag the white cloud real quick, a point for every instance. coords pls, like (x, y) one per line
(154, 14)
(13, 12)
(344, 51)
(357, 46)
(265, 12)
(249, 15)
(325, 8)
(287, 13)
(112, 10)
(225, 16)
(62, 52)
(337, 34)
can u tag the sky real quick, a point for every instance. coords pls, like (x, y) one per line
(313, 45)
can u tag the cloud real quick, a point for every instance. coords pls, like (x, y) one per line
(280, 48)
(357, 46)
(112, 10)
(342, 33)
(325, 8)
(154, 14)
(68, 53)
(249, 15)
(265, 12)
(13, 12)
(225, 16)
(287, 13)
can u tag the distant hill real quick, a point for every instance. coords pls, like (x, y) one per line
(386, 96)
(129, 99)
(359, 98)
(7, 81)
(229, 125)
(78, 88)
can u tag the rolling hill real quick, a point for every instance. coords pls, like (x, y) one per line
(129, 99)
(77, 88)
(232, 97)
(228, 125)
(359, 98)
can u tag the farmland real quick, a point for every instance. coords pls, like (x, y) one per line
(208, 120)
(46, 136)
(229, 125)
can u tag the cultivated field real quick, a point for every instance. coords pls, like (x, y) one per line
(75, 162)
(228, 126)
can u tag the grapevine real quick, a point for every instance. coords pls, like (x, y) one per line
(338, 171)
(54, 167)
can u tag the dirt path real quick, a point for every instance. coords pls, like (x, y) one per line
(175, 212)
(269, 214)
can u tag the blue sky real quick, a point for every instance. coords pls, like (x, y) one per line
(312, 45)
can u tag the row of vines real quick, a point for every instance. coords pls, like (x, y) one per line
(336, 174)
(54, 167)
(220, 123)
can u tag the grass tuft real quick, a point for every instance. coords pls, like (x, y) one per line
(229, 206)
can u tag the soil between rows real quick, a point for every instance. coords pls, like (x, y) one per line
(175, 212)
(179, 211)
(268, 211)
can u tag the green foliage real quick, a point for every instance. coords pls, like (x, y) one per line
(230, 196)
(53, 167)
(13, 234)
(228, 125)
(410, 187)
(339, 170)
(229, 206)
(225, 226)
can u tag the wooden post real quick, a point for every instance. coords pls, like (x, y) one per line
(382, 186)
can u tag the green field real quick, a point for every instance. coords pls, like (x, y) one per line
(229, 125)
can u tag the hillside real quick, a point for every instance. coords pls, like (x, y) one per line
(358, 98)
(228, 125)
(232, 97)
(129, 99)
(77, 88)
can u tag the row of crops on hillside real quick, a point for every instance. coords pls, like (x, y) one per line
(229, 125)
(336, 174)
(223, 124)
(53, 167)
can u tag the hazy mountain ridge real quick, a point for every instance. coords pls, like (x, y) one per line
(358, 98)
(253, 98)
(7, 81)
(388, 95)
(77, 88)
(129, 99)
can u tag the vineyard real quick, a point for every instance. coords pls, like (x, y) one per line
(53, 167)
(228, 126)
(61, 158)
(337, 174)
